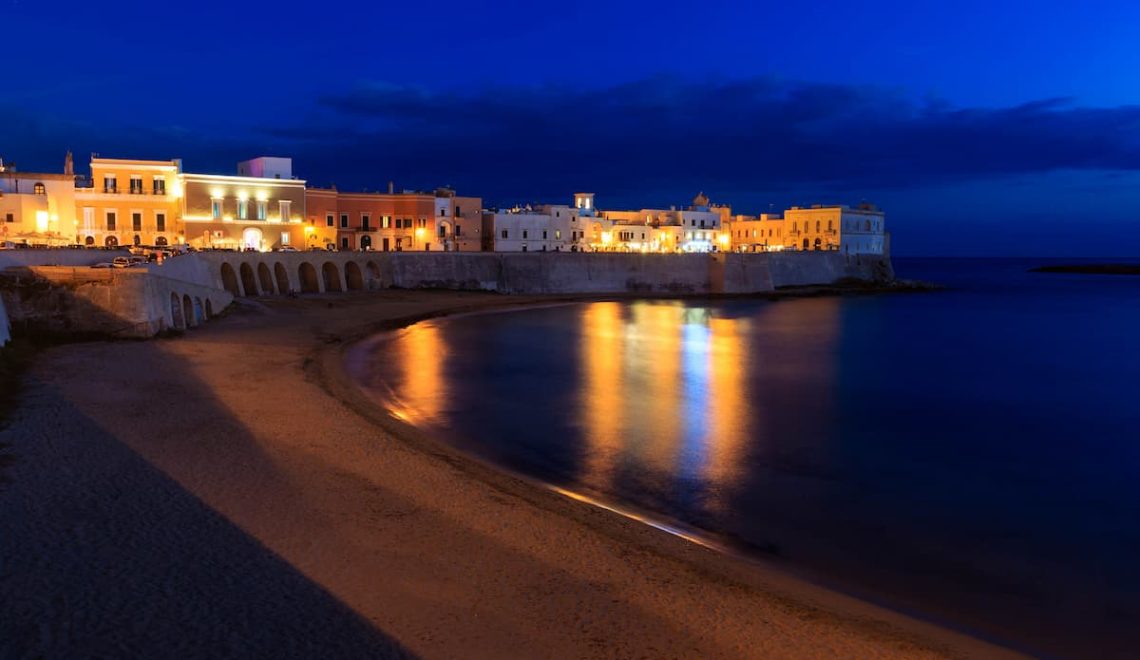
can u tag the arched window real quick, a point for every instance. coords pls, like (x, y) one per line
(39, 189)
(817, 226)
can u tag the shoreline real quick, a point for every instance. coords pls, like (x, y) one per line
(731, 548)
(431, 551)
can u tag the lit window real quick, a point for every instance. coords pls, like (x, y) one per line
(243, 209)
(284, 206)
(39, 189)
(159, 185)
(216, 209)
(136, 184)
(262, 209)
(284, 238)
(109, 184)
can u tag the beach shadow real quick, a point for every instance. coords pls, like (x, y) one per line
(103, 555)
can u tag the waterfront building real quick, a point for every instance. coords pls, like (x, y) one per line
(129, 202)
(858, 230)
(763, 233)
(261, 208)
(697, 228)
(547, 228)
(37, 208)
(408, 220)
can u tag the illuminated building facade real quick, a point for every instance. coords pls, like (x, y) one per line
(37, 208)
(392, 221)
(548, 228)
(858, 230)
(698, 228)
(129, 202)
(763, 233)
(262, 208)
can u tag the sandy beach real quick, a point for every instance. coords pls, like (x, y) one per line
(231, 493)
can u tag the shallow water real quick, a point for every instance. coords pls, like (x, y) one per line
(970, 455)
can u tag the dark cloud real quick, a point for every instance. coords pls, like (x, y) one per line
(637, 142)
(671, 134)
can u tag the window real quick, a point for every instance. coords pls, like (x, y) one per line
(702, 224)
(817, 226)
(262, 209)
(557, 234)
(284, 238)
(159, 186)
(216, 209)
(39, 189)
(385, 221)
(344, 243)
(285, 206)
(344, 221)
(88, 218)
(504, 233)
(110, 221)
(136, 221)
(9, 218)
(442, 231)
(136, 184)
(524, 234)
(330, 220)
(160, 221)
(443, 213)
(365, 221)
(243, 209)
(109, 184)
(458, 211)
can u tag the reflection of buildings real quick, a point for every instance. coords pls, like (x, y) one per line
(665, 391)
(423, 391)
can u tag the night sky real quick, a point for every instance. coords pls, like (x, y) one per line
(980, 130)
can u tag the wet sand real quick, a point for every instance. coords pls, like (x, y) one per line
(231, 493)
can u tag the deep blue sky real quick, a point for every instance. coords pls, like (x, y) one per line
(979, 129)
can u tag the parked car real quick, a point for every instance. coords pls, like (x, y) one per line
(104, 264)
(285, 248)
(121, 262)
(135, 261)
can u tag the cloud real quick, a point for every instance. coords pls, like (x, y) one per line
(636, 142)
(668, 133)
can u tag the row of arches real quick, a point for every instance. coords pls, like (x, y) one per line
(260, 279)
(187, 312)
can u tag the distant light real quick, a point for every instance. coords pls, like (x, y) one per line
(41, 221)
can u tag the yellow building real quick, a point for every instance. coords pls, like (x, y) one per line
(859, 230)
(37, 208)
(763, 233)
(129, 202)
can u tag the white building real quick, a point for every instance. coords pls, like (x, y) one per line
(547, 228)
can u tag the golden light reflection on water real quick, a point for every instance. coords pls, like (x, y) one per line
(423, 390)
(665, 390)
(601, 401)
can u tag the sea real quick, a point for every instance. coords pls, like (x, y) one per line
(969, 455)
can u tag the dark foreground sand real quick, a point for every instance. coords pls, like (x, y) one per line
(230, 493)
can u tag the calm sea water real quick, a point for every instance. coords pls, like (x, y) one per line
(970, 455)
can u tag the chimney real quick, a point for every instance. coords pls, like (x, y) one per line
(391, 187)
